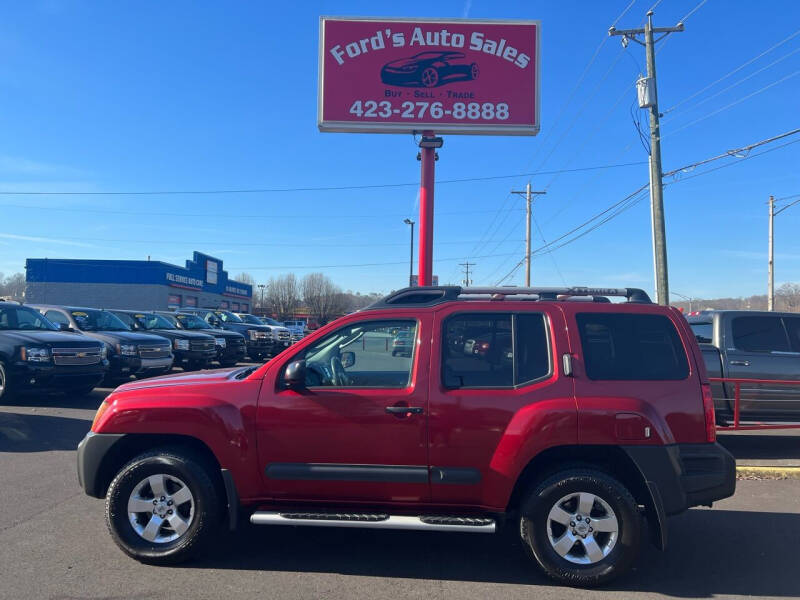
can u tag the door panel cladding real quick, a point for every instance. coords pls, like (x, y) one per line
(340, 472)
(455, 475)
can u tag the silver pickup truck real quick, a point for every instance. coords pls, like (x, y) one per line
(752, 345)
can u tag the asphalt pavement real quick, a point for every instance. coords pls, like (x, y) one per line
(54, 543)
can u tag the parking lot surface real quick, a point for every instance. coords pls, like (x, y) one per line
(54, 543)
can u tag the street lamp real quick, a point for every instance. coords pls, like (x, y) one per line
(684, 297)
(261, 286)
(411, 260)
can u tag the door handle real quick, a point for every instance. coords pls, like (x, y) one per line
(402, 410)
(740, 363)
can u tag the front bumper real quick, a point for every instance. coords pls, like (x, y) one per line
(92, 451)
(122, 366)
(686, 475)
(50, 377)
(194, 356)
(231, 353)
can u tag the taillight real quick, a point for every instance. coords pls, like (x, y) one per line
(708, 411)
(100, 411)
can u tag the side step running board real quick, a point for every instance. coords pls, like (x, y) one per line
(376, 521)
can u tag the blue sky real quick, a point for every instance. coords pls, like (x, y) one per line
(202, 95)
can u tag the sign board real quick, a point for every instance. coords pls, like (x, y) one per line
(448, 76)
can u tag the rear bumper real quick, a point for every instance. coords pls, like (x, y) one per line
(686, 475)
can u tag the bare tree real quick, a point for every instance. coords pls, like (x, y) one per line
(788, 296)
(13, 286)
(245, 278)
(283, 295)
(322, 297)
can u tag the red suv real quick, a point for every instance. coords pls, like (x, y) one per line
(580, 421)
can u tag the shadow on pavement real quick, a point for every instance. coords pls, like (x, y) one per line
(88, 401)
(711, 552)
(757, 447)
(40, 433)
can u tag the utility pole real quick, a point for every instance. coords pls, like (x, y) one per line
(411, 260)
(648, 98)
(528, 197)
(261, 286)
(466, 281)
(771, 258)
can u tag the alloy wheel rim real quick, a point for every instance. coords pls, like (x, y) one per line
(161, 508)
(582, 528)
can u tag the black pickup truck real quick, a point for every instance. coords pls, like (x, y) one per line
(752, 345)
(36, 356)
(192, 350)
(231, 346)
(129, 352)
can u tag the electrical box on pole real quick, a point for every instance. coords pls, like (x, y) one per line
(645, 90)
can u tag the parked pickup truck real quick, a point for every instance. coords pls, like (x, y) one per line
(129, 352)
(752, 345)
(192, 350)
(36, 356)
(596, 419)
(262, 340)
(230, 345)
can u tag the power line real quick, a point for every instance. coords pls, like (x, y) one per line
(736, 70)
(237, 217)
(282, 267)
(632, 199)
(733, 85)
(727, 106)
(303, 189)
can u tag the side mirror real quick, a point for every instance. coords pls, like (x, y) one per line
(348, 359)
(64, 327)
(295, 375)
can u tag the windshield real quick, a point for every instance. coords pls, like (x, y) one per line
(150, 321)
(269, 321)
(19, 317)
(97, 320)
(252, 319)
(192, 322)
(227, 317)
(703, 332)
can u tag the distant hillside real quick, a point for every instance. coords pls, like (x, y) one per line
(787, 298)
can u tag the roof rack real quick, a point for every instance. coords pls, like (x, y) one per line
(433, 295)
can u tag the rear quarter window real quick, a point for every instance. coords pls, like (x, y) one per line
(621, 346)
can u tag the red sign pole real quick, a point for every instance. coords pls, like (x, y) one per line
(428, 162)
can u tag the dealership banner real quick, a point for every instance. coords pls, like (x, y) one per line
(448, 76)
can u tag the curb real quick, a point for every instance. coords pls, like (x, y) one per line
(768, 472)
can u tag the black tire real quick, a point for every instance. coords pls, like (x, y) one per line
(6, 390)
(206, 514)
(535, 527)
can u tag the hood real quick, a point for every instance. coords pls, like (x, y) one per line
(221, 333)
(242, 327)
(52, 338)
(205, 377)
(180, 334)
(126, 337)
(408, 62)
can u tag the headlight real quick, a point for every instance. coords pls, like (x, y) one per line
(127, 349)
(104, 352)
(35, 354)
(181, 344)
(220, 342)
